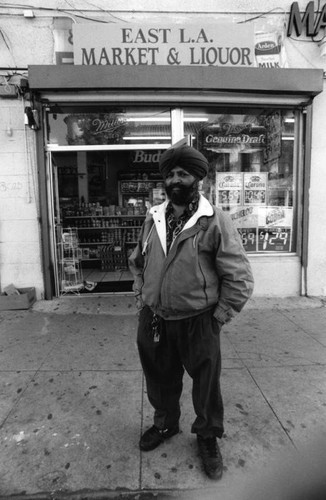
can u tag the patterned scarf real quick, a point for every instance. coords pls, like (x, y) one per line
(175, 225)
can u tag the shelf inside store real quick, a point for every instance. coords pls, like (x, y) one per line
(93, 258)
(107, 243)
(107, 227)
(129, 216)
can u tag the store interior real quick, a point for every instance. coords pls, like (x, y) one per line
(101, 203)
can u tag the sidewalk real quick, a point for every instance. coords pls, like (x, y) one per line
(73, 403)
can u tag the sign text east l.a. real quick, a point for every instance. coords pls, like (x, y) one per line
(210, 44)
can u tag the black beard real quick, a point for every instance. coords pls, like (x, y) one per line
(181, 195)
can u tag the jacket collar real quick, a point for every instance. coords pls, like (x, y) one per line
(158, 213)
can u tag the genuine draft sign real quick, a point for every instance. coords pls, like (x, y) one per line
(155, 45)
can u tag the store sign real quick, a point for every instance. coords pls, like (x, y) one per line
(164, 45)
(313, 24)
(140, 157)
(106, 128)
(232, 134)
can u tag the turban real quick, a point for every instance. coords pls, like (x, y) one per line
(185, 157)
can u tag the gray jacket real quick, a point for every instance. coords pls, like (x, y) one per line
(206, 266)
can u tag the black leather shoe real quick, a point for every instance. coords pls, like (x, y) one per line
(210, 454)
(154, 436)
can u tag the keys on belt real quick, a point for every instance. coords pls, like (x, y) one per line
(155, 328)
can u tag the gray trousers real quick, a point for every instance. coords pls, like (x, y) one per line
(192, 344)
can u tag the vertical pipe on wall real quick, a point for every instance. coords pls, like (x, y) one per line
(48, 275)
(305, 201)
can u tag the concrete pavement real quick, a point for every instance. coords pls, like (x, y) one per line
(73, 404)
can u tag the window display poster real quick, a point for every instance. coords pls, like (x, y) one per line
(244, 217)
(274, 239)
(272, 216)
(248, 237)
(273, 124)
(158, 196)
(264, 229)
(255, 186)
(245, 220)
(229, 188)
(275, 229)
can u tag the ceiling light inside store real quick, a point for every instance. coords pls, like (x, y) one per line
(166, 119)
(149, 119)
(147, 138)
(196, 119)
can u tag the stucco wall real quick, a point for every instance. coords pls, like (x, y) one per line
(317, 206)
(20, 259)
(30, 41)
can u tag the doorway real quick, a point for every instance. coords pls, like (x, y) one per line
(100, 202)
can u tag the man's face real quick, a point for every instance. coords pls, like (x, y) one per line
(180, 186)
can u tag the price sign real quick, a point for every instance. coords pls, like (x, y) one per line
(274, 239)
(255, 188)
(229, 197)
(229, 186)
(255, 197)
(249, 238)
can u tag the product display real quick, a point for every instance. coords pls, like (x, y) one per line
(108, 233)
(106, 239)
(70, 274)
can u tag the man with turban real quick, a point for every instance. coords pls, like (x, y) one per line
(191, 275)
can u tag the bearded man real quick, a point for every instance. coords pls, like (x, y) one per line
(191, 275)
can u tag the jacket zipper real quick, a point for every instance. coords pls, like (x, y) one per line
(146, 241)
(203, 275)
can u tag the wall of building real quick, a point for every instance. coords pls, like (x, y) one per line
(20, 257)
(29, 40)
(317, 222)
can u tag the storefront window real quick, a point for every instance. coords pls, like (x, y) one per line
(85, 126)
(106, 177)
(252, 171)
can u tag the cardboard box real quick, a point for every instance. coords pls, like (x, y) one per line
(24, 300)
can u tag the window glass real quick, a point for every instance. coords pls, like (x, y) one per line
(77, 126)
(252, 173)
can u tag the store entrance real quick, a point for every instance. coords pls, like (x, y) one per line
(100, 202)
